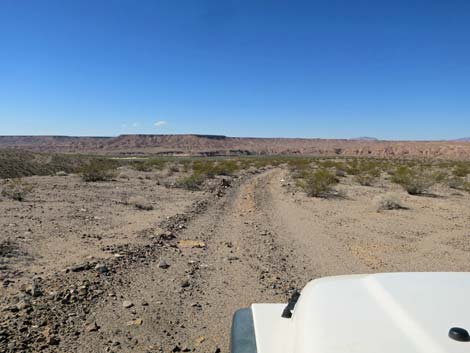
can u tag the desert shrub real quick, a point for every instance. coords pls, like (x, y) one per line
(192, 182)
(211, 168)
(227, 167)
(461, 170)
(174, 168)
(455, 183)
(148, 165)
(156, 163)
(466, 186)
(298, 165)
(389, 201)
(318, 183)
(141, 166)
(186, 165)
(415, 182)
(333, 164)
(98, 170)
(401, 175)
(439, 176)
(365, 179)
(204, 167)
(353, 167)
(16, 189)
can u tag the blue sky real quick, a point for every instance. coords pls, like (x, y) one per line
(334, 69)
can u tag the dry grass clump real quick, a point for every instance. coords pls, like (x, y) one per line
(318, 183)
(389, 201)
(16, 189)
(98, 170)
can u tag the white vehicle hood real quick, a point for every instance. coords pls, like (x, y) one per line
(381, 313)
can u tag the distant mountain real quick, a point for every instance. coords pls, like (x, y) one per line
(365, 138)
(464, 139)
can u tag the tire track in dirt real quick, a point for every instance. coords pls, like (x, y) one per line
(259, 247)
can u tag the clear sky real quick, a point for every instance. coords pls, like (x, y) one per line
(336, 69)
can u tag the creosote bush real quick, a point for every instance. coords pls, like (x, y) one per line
(212, 168)
(192, 182)
(461, 170)
(415, 182)
(98, 170)
(318, 183)
(16, 189)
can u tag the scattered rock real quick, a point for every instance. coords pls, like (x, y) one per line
(191, 244)
(23, 305)
(93, 327)
(102, 268)
(163, 264)
(136, 322)
(79, 267)
(52, 341)
(127, 304)
(199, 340)
(185, 284)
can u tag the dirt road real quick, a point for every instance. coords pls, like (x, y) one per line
(261, 244)
(258, 243)
(257, 250)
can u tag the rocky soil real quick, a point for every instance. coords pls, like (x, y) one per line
(169, 279)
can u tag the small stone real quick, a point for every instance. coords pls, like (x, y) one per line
(185, 284)
(23, 305)
(191, 244)
(79, 267)
(127, 304)
(35, 290)
(199, 340)
(163, 264)
(101, 268)
(136, 322)
(52, 341)
(93, 327)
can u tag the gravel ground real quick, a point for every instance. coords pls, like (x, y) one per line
(210, 253)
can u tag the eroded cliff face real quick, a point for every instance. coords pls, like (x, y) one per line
(222, 145)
